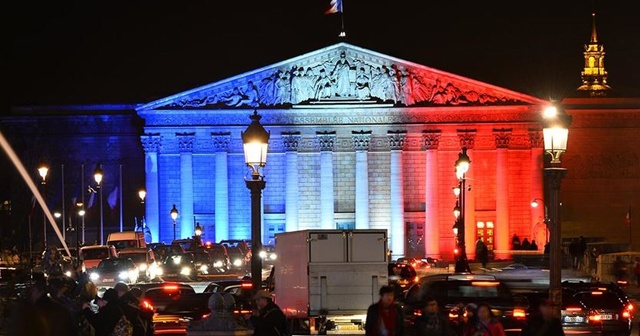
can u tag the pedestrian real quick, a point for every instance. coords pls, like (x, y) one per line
(130, 306)
(486, 325)
(385, 317)
(525, 244)
(543, 323)
(431, 322)
(469, 318)
(534, 246)
(479, 245)
(515, 242)
(268, 319)
(484, 256)
(582, 249)
(109, 315)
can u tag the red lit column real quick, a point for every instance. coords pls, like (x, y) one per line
(397, 227)
(502, 230)
(467, 139)
(540, 234)
(431, 140)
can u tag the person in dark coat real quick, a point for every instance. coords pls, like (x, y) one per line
(385, 318)
(108, 313)
(432, 322)
(534, 246)
(130, 306)
(544, 323)
(268, 319)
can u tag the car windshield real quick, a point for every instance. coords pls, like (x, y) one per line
(113, 264)
(235, 252)
(402, 272)
(217, 249)
(122, 244)
(600, 300)
(217, 255)
(95, 253)
(202, 257)
(178, 259)
(135, 257)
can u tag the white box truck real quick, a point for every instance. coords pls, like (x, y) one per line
(326, 279)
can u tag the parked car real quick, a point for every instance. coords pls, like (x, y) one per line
(94, 254)
(113, 270)
(144, 259)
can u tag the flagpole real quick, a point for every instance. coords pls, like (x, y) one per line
(82, 191)
(64, 213)
(629, 225)
(342, 31)
(120, 197)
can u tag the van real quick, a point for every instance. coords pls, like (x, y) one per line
(126, 239)
(93, 255)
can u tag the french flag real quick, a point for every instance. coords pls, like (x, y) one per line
(335, 6)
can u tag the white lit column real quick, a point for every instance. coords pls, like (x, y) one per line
(221, 194)
(537, 187)
(502, 228)
(397, 227)
(468, 140)
(151, 145)
(431, 140)
(361, 141)
(185, 144)
(326, 140)
(290, 142)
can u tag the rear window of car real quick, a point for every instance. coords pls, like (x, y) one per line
(135, 257)
(468, 290)
(167, 293)
(600, 300)
(113, 264)
(95, 253)
(402, 271)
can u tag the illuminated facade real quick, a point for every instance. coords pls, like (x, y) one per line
(358, 140)
(594, 75)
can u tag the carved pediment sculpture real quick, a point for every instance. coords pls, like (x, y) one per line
(341, 73)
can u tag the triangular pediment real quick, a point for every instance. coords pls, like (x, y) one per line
(342, 74)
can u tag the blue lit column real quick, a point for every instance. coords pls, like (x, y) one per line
(361, 141)
(221, 146)
(431, 141)
(185, 144)
(151, 145)
(396, 187)
(326, 140)
(290, 142)
(502, 229)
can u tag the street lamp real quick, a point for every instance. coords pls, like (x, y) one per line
(81, 213)
(555, 132)
(256, 142)
(462, 167)
(43, 170)
(174, 216)
(198, 230)
(98, 174)
(142, 194)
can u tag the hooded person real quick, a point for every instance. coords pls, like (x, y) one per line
(108, 315)
(130, 306)
(268, 319)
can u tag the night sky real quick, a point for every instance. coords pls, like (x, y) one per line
(119, 52)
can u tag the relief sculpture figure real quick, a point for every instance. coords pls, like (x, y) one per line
(340, 76)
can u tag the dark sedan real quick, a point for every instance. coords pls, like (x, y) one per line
(180, 266)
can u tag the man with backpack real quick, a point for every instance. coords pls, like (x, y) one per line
(130, 306)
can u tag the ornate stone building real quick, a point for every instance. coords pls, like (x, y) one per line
(358, 140)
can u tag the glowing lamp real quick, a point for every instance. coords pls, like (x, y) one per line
(456, 211)
(174, 213)
(256, 142)
(98, 174)
(534, 203)
(456, 191)
(462, 163)
(142, 194)
(455, 230)
(81, 212)
(555, 132)
(198, 229)
(550, 112)
(57, 215)
(43, 170)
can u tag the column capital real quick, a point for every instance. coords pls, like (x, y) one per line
(467, 138)
(431, 139)
(326, 140)
(151, 142)
(185, 141)
(290, 141)
(535, 138)
(361, 140)
(502, 136)
(221, 141)
(396, 139)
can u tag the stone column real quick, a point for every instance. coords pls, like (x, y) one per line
(185, 145)
(397, 230)
(431, 141)
(468, 139)
(326, 140)
(502, 229)
(221, 195)
(290, 141)
(361, 140)
(151, 145)
(538, 215)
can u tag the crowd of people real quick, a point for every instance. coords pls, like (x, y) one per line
(61, 306)
(386, 318)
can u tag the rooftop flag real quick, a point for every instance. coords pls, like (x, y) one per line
(335, 6)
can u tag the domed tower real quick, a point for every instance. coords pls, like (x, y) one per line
(594, 75)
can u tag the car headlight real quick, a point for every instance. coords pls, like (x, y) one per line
(123, 275)
(273, 256)
(159, 271)
(67, 273)
(263, 254)
(94, 276)
(133, 275)
(185, 271)
(237, 262)
(217, 264)
(142, 267)
(204, 268)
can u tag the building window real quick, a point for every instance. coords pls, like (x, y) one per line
(485, 231)
(346, 225)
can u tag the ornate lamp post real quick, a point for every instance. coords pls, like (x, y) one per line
(556, 132)
(174, 216)
(43, 170)
(81, 213)
(98, 174)
(142, 194)
(462, 167)
(198, 235)
(256, 142)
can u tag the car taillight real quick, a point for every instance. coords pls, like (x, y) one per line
(630, 307)
(242, 311)
(417, 312)
(573, 309)
(204, 316)
(595, 317)
(519, 313)
(416, 279)
(626, 314)
(453, 315)
(170, 288)
(246, 285)
(145, 304)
